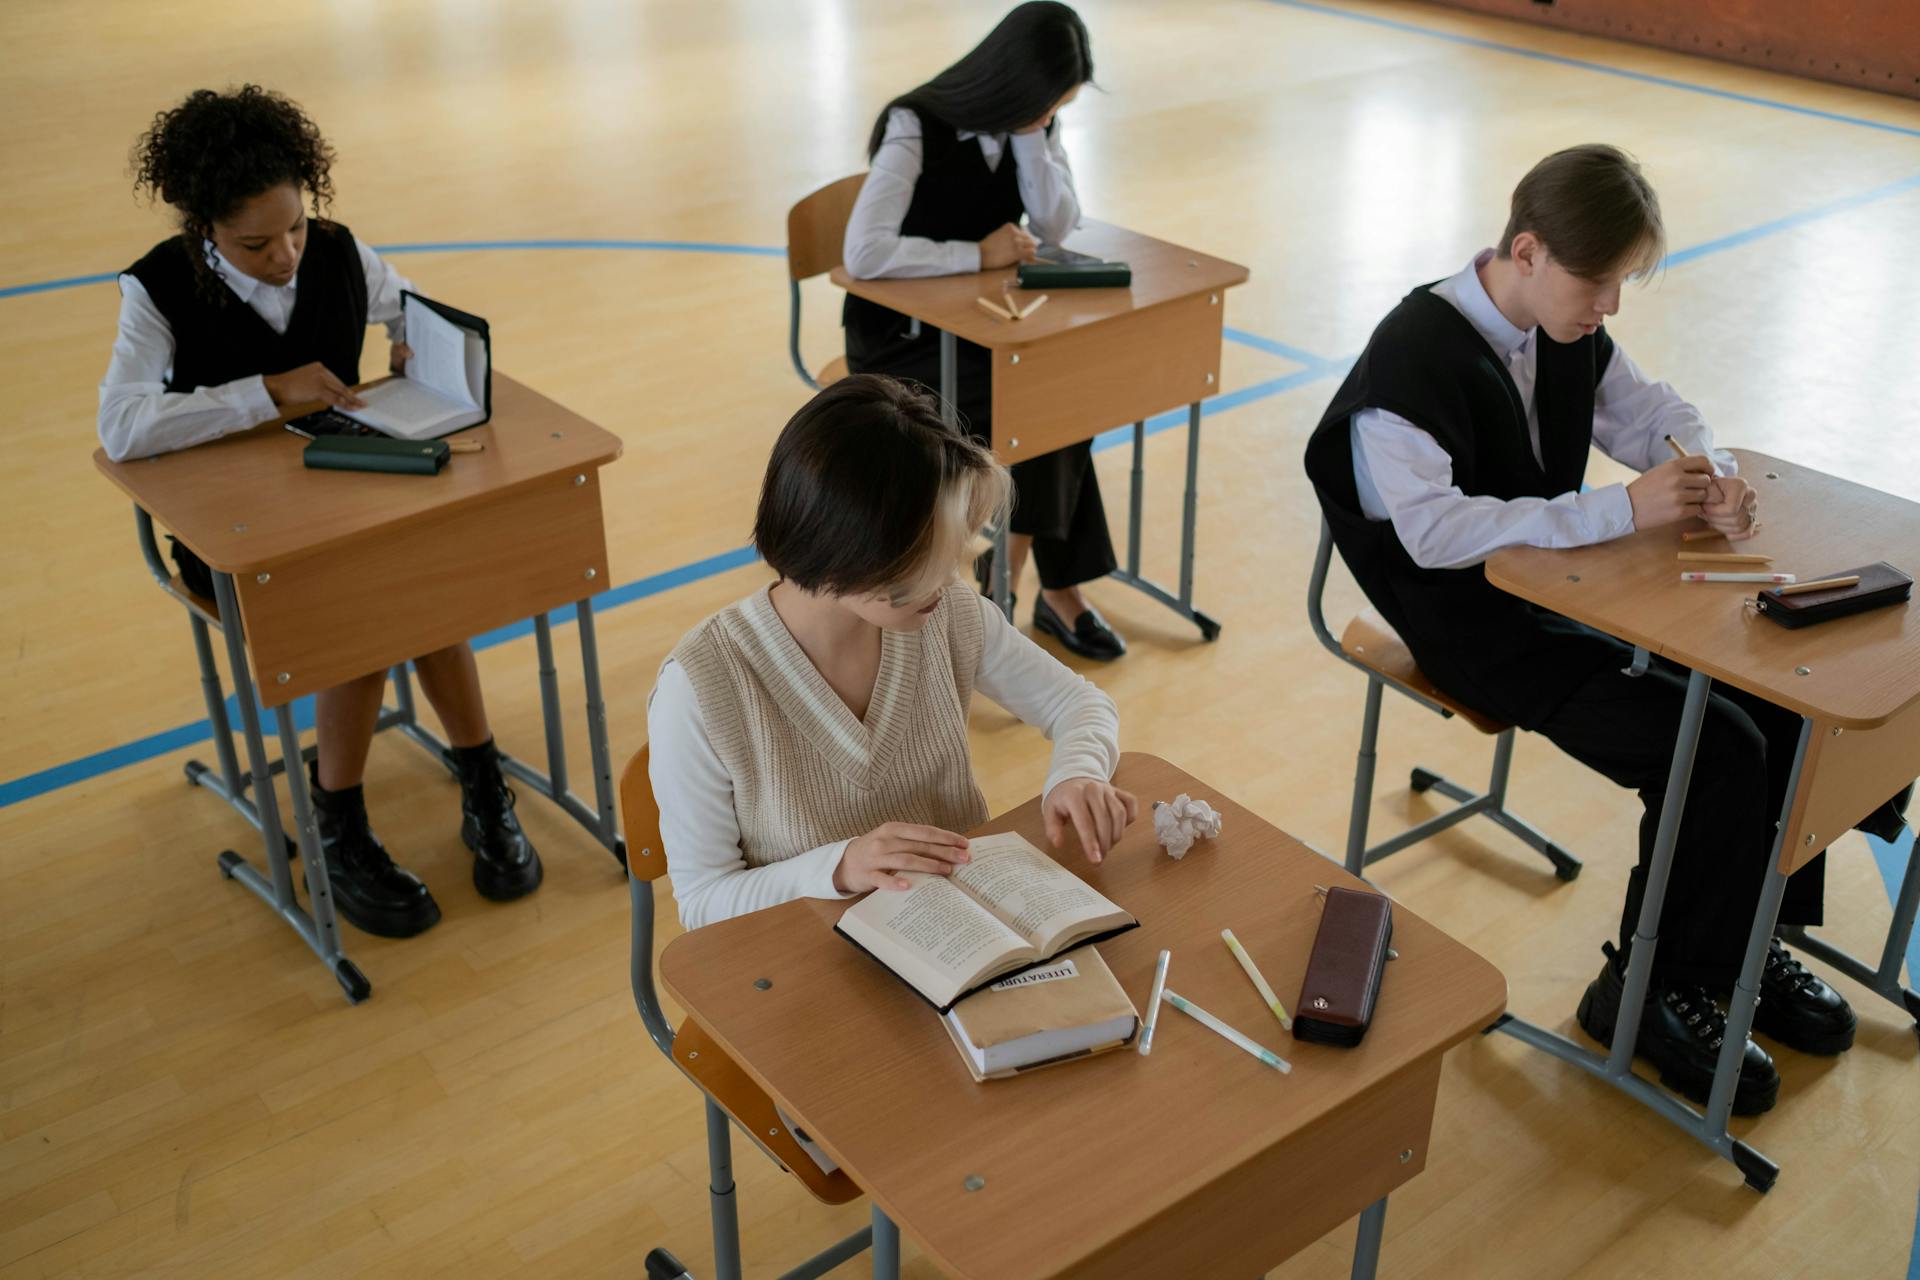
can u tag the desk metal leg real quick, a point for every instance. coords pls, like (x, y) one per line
(318, 931)
(1617, 1068)
(1136, 495)
(1182, 603)
(722, 1205)
(886, 1247)
(1884, 980)
(1366, 1247)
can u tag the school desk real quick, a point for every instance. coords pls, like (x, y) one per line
(1855, 682)
(324, 576)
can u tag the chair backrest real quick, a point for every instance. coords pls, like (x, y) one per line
(646, 860)
(817, 228)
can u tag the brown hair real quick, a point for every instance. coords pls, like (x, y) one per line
(1593, 209)
(869, 490)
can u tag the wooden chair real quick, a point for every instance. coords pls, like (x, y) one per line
(816, 234)
(731, 1095)
(1370, 644)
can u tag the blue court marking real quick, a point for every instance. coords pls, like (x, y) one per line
(1792, 220)
(1600, 68)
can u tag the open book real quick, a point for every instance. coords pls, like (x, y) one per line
(1008, 909)
(448, 380)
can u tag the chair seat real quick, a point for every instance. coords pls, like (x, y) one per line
(834, 370)
(710, 1067)
(1372, 642)
(193, 599)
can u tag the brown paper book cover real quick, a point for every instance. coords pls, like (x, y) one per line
(1070, 1008)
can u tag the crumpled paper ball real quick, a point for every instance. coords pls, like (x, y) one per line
(1177, 823)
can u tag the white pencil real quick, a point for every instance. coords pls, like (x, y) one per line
(1226, 1032)
(1775, 578)
(1259, 982)
(1153, 1003)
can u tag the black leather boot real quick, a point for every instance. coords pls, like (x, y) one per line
(1681, 1029)
(369, 891)
(1798, 1009)
(505, 865)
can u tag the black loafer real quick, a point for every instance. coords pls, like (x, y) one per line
(1089, 636)
(1799, 1010)
(369, 891)
(1681, 1030)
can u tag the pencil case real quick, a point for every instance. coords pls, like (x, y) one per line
(376, 453)
(1880, 585)
(1075, 275)
(1344, 969)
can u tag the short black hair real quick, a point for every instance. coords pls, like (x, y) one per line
(215, 151)
(869, 487)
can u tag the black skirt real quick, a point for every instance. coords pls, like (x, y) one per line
(1056, 496)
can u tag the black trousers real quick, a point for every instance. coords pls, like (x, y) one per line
(1624, 728)
(1056, 497)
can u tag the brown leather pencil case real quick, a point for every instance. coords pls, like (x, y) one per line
(1344, 970)
(1880, 584)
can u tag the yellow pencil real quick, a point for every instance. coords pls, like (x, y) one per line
(1821, 584)
(1259, 983)
(1724, 557)
(1700, 535)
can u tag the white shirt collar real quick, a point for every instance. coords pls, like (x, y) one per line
(243, 285)
(1470, 297)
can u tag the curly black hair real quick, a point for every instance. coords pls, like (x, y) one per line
(215, 151)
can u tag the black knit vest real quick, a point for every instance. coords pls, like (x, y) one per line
(217, 338)
(957, 197)
(1428, 364)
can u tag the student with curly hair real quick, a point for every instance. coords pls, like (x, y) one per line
(257, 306)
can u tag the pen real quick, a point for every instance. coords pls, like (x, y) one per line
(1774, 578)
(1259, 982)
(1220, 1028)
(1153, 1003)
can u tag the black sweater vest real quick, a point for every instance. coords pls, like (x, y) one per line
(217, 338)
(1427, 363)
(957, 197)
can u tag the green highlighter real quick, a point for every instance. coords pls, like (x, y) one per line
(376, 453)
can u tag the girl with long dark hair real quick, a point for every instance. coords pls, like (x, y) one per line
(954, 165)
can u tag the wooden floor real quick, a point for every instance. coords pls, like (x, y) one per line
(183, 1092)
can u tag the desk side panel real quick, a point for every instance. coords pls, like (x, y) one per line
(1070, 388)
(1848, 774)
(1280, 1202)
(331, 616)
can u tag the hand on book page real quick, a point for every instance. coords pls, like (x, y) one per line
(1097, 811)
(877, 859)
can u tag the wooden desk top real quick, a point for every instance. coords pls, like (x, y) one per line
(245, 502)
(1861, 670)
(1077, 1154)
(1162, 272)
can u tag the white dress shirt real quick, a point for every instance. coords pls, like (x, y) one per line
(1403, 474)
(139, 416)
(711, 878)
(875, 249)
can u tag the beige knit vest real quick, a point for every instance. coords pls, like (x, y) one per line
(805, 770)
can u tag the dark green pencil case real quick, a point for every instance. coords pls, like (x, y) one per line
(376, 453)
(1075, 275)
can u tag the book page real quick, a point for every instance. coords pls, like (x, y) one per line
(934, 936)
(405, 410)
(439, 360)
(1032, 894)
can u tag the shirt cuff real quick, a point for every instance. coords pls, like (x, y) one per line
(965, 257)
(254, 400)
(1612, 512)
(823, 886)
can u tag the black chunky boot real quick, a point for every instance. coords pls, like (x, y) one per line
(1681, 1030)
(505, 865)
(369, 891)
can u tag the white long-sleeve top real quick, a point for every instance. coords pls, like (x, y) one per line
(139, 416)
(875, 249)
(711, 878)
(1403, 475)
